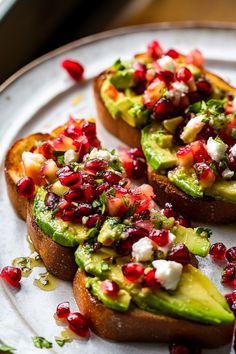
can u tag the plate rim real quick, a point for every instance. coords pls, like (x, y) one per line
(111, 33)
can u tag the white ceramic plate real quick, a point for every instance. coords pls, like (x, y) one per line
(39, 98)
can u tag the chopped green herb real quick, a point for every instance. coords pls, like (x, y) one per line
(122, 183)
(96, 203)
(104, 267)
(59, 155)
(113, 152)
(212, 165)
(99, 180)
(88, 248)
(75, 203)
(6, 348)
(75, 165)
(219, 140)
(130, 211)
(103, 201)
(115, 165)
(233, 133)
(92, 233)
(40, 342)
(126, 202)
(204, 231)
(112, 191)
(61, 341)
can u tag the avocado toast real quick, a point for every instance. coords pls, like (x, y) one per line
(167, 89)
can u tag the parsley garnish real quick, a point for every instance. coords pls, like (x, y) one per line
(212, 165)
(96, 203)
(112, 192)
(92, 233)
(40, 342)
(113, 152)
(59, 155)
(126, 202)
(6, 348)
(130, 211)
(103, 201)
(99, 180)
(204, 231)
(115, 165)
(61, 341)
(75, 165)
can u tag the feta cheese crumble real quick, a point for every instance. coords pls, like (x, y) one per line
(168, 273)
(192, 128)
(31, 159)
(227, 173)
(70, 156)
(142, 250)
(180, 86)
(216, 149)
(167, 63)
(101, 154)
(233, 150)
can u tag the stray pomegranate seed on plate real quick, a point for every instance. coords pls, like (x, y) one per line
(230, 255)
(78, 324)
(74, 69)
(217, 251)
(63, 310)
(11, 275)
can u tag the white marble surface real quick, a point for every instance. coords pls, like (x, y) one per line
(40, 100)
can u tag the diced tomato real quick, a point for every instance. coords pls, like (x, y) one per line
(153, 93)
(185, 156)
(63, 143)
(205, 174)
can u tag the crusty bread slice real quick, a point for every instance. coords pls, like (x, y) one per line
(142, 326)
(58, 260)
(14, 170)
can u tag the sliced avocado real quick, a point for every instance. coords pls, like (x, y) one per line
(186, 180)
(62, 232)
(120, 302)
(172, 124)
(108, 101)
(196, 243)
(111, 231)
(159, 158)
(58, 189)
(164, 140)
(132, 111)
(223, 190)
(195, 298)
(123, 79)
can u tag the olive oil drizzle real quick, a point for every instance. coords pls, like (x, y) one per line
(45, 281)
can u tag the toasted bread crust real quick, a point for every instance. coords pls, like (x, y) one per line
(142, 326)
(204, 210)
(59, 260)
(13, 170)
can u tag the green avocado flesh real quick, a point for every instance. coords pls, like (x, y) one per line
(62, 232)
(223, 190)
(187, 181)
(195, 298)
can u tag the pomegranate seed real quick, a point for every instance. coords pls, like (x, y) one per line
(95, 165)
(51, 200)
(185, 156)
(46, 150)
(154, 50)
(101, 188)
(68, 215)
(11, 275)
(88, 193)
(78, 324)
(180, 254)
(183, 74)
(139, 169)
(89, 129)
(25, 187)
(200, 153)
(217, 251)
(124, 246)
(136, 152)
(169, 212)
(73, 196)
(110, 288)
(64, 171)
(83, 209)
(231, 299)
(63, 310)
(180, 348)
(163, 108)
(205, 174)
(204, 88)
(140, 72)
(160, 237)
(232, 163)
(93, 220)
(229, 275)
(230, 255)
(112, 177)
(133, 271)
(172, 53)
(183, 222)
(166, 76)
(72, 179)
(74, 69)
(150, 280)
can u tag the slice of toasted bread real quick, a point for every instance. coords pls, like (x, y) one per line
(14, 170)
(58, 260)
(142, 326)
(205, 209)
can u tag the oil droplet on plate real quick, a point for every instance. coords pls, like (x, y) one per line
(46, 281)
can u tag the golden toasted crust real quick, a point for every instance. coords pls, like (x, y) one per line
(142, 326)
(58, 260)
(14, 171)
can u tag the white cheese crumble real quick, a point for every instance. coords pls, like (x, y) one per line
(84, 220)
(216, 149)
(101, 154)
(70, 156)
(233, 150)
(180, 86)
(167, 63)
(168, 273)
(29, 158)
(166, 248)
(192, 128)
(142, 250)
(227, 173)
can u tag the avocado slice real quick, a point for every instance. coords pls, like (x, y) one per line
(196, 299)
(158, 157)
(111, 231)
(223, 190)
(108, 101)
(119, 303)
(172, 124)
(123, 79)
(186, 180)
(62, 232)
(196, 243)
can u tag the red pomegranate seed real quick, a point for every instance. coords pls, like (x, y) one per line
(169, 212)
(163, 108)
(11, 275)
(181, 348)
(154, 50)
(124, 246)
(95, 165)
(112, 177)
(133, 271)
(83, 209)
(51, 200)
(88, 193)
(46, 150)
(160, 237)
(204, 88)
(136, 152)
(93, 220)
(230, 255)
(140, 71)
(150, 280)
(183, 222)
(25, 187)
(71, 180)
(229, 275)
(89, 129)
(183, 74)
(73, 196)
(110, 288)
(101, 188)
(74, 69)
(200, 153)
(217, 251)
(63, 310)
(180, 254)
(166, 76)
(231, 299)
(78, 324)
(172, 53)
